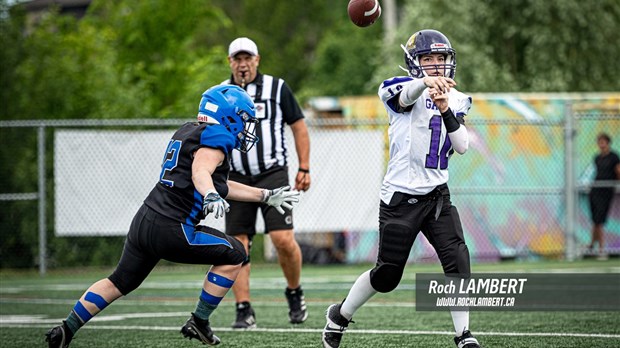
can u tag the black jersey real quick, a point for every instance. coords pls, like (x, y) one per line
(606, 166)
(175, 196)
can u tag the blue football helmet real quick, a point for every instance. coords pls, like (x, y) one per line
(426, 42)
(233, 108)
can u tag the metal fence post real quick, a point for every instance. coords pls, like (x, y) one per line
(42, 203)
(569, 185)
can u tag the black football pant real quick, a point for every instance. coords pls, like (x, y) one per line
(153, 237)
(402, 219)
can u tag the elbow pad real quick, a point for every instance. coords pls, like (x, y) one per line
(411, 92)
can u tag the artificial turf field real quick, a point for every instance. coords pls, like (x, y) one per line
(153, 315)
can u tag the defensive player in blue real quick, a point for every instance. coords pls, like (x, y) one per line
(193, 183)
(426, 118)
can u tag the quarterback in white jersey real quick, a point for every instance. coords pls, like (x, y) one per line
(426, 127)
(415, 128)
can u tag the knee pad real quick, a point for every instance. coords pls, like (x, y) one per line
(385, 277)
(247, 259)
(395, 245)
(235, 256)
(462, 261)
(459, 262)
(125, 282)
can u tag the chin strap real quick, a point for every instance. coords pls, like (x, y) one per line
(409, 56)
(405, 70)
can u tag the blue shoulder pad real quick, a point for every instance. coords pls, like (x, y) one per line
(217, 137)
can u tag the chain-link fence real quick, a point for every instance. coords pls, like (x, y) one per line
(73, 187)
(590, 122)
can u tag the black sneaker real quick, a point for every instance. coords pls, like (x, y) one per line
(246, 318)
(59, 336)
(200, 330)
(297, 305)
(466, 341)
(335, 327)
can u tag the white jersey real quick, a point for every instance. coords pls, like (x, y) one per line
(419, 144)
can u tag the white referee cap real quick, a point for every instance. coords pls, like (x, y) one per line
(242, 44)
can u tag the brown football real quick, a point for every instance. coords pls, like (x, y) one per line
(364, 12)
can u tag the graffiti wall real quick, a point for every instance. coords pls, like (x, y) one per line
(510, 186)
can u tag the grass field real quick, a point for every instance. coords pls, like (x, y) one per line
(153, 314)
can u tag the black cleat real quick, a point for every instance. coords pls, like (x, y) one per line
(59, 336)
(200, 330)
(466, 340)
(335, 327)
(297, 305)
(246, 318)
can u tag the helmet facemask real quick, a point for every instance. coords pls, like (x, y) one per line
(246, 138)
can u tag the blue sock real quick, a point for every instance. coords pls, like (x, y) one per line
(73, 322)
(206, 305)
(207, 302)
(80, 315)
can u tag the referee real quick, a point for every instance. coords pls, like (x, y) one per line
(266, 165)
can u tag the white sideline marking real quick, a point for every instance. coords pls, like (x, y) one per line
(186, 302)
(335, 282)
(350, 331)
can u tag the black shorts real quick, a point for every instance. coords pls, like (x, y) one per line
(600, 201)
(241, 219)
(153, 237)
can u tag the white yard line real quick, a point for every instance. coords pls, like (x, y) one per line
(327, 282)
(299, 330)
(192, 301)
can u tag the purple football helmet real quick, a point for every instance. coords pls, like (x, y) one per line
(424, 42)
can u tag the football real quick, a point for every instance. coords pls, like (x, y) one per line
(364, 12)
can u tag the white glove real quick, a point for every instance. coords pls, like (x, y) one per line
(215, 204)
(281, 197)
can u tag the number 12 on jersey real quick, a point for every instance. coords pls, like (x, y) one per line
(436, 158)
(170, 161)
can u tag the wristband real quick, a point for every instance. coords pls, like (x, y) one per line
(302, 170)
(266, 195)
(449, 120)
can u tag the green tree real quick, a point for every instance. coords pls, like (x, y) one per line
(346, 60)
(162, 46)
(117, 62)
(525, 45)
(11, 24)
(287, 33)
(69, 72)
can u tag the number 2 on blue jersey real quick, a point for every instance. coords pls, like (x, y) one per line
(434, 157)
(170, 161)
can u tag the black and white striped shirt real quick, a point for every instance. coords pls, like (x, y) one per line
(275, 107)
